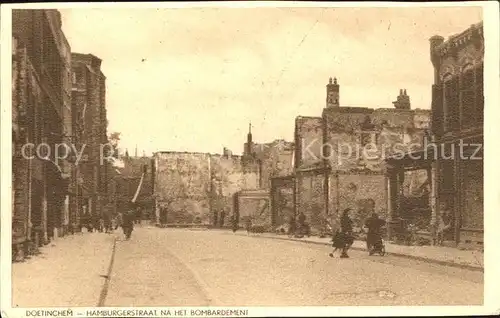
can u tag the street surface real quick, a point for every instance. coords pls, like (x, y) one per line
(176, 267)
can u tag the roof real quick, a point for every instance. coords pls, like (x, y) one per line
(459, 39)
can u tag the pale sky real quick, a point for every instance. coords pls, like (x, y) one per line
(192, 79)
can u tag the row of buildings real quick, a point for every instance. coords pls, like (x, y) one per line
(325, 170)
(59, 128)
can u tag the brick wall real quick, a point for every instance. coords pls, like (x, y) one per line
(20, 177)
(90, 102)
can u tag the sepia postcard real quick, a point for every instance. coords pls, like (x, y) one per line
(250, 159)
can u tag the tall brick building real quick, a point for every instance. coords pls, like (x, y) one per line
(458, 114)
(40, 115)
(91, 185)
(457, 109)
(339, 157)
(454, 160)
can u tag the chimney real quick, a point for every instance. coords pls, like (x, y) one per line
(402, 101)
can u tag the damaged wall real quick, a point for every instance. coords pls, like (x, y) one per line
(194, 186)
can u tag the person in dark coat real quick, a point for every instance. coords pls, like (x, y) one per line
(222, 217)
(338, 243)
(374, 225)
(248, 225)
(346, 232)
(128, 222)
(234, 223)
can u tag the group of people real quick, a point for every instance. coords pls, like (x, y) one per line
(108, 223)
(344, 238)
(299, 226)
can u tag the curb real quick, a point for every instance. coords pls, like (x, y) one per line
(419, 258)
(105, 286)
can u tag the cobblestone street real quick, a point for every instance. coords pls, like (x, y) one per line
(197, 268)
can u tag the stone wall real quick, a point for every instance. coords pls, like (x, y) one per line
(228, 176)
(256, 206)
(308, 140)
(182, 185)
(356, 141)
(363, 193)
(276, 160)
(311, 199)
(356, 147)
(197, 185)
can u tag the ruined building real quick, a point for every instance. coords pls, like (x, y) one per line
(339, 156)
(199, 187)
(274, 159)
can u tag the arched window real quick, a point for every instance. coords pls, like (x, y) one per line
(479, 105)
(467, 96)
(451, 103)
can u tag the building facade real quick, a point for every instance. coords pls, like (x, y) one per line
(93, 172)
(457, 126)
(41, 112)
(339, 157)
(125, 183)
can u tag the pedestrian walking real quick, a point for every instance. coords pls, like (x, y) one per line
(128, 223)
(222, 217)
(346, 232)
(234, 223)
(108, 228)
(337, 243)
(118, 220)
(374, 225)
(248, 225)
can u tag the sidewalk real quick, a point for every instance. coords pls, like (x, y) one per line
(449, 256)
(69, 272)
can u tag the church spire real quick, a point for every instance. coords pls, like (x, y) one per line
(249, 136)
(249, 143)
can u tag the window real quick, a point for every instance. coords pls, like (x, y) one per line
(447, 168)
(467, 98)
(73, 77)
(451, 104)
(437, 110)
(479, 102)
